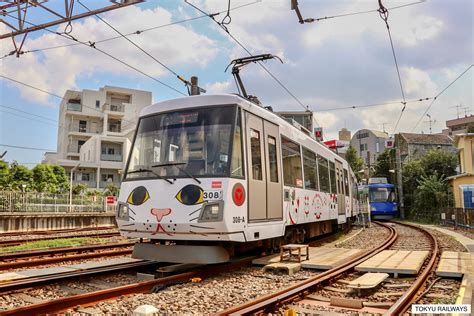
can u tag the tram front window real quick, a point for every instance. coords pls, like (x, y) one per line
(177, 144)
(382, 194)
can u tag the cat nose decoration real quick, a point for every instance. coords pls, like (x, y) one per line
(160, 213)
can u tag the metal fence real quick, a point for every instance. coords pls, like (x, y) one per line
(54, 203)
(448, 216)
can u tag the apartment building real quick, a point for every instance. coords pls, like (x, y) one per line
(459, 125)
(95, 131)
(369, 144)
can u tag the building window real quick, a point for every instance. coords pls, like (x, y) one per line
(97, 104)
(82, 126)
(310, 169)
(107, 177)
(85, 177)
(292, 173)
(79, 144)
(361, 147)
(377, 147)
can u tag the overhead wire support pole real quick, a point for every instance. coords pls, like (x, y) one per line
(294, 6)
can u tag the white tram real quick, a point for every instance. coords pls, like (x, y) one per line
(209, 175)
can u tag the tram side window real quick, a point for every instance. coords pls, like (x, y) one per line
(332, 172)
(346, 182)
(236, 167)
(323, 174)
(256, 154)
(272, 158)
(310, 170)
(292, 173)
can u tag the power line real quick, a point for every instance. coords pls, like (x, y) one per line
(371, 105)
(305, 107)
(29, 118)
(27, 148)
(187, 83)
(59, 97)
(439, 94)
(39, 116)
(137, 32)
(92, 45)
(383, 12)
(364, 12)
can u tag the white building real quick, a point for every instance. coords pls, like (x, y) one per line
(96, 130)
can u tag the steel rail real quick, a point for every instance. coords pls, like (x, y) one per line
(404, 302)
(14, 242)
(38, 262)
(62, 304)
(295, 291)
(57, 231)
(56, 251)
(29, 282)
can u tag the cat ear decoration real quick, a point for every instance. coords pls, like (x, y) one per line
(138, 196)
(190, 195)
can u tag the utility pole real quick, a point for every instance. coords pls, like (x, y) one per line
(400, 183)
(430, 121)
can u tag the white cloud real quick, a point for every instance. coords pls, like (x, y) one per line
(417, 82)
(219, 87)
(56, 70)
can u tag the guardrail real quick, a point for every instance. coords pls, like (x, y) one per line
(53, 203)
(447, 216)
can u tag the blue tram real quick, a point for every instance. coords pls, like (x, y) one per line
(383, 201)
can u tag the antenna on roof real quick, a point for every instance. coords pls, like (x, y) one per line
(458, 108)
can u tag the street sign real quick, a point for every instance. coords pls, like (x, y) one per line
(110, 199)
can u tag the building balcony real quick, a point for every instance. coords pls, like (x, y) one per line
(73, 149)
(85, 130)
(90, 184)
(115, 108)
(107, 157)
(104, 184)
(75, 107)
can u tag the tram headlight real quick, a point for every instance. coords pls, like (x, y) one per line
(122, 211)
(373, 209)
(212, 211)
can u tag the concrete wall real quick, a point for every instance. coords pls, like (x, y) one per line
(33, 221)
(457, 192)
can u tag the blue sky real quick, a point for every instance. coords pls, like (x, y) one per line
(328, 64)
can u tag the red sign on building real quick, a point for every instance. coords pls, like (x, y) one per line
(110, 199)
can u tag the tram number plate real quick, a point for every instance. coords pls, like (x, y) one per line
(212, 195)
(238, 219)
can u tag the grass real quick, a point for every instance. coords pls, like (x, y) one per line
(53, 243)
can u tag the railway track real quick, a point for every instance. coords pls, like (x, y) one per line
(298, 291)
(55, 255)
(56, 231)
(14, 242)
(91, 298)
(272, 301)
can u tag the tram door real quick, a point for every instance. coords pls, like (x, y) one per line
(341, 201)
(264, 172)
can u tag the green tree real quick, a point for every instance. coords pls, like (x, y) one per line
(439, 162)
(355, 162)
(19, 176)
(385, 162)
(431, 196)
(4, 176)
(470, 128)
(44, 179)
(79, 188)
(111, 189)
(61, 178)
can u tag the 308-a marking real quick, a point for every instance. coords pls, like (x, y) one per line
(238, 219)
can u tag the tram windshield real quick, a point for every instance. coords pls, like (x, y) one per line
(382, 194)
(187, 143)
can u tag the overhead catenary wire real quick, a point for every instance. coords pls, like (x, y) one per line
(137, 32)
(93, 45)
(439, 94)
(186, 82)
(32, 114)
(365, 12)
(305, 107)
(371, 105)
